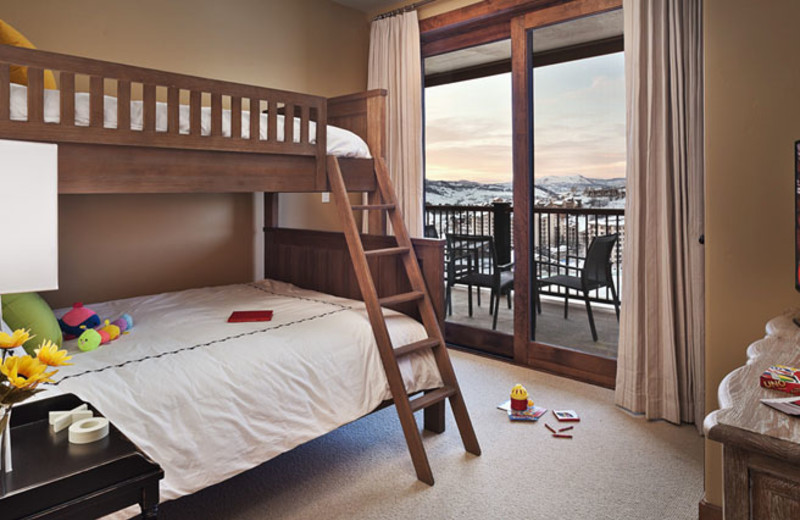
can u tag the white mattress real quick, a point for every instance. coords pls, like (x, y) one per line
(340, 142)
(208, 399)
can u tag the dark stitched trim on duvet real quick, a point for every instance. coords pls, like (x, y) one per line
(341, 308)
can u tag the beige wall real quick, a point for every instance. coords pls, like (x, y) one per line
(153, 243)
(752, 120)
(429, 10)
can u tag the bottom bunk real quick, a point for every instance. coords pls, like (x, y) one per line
(208, 399)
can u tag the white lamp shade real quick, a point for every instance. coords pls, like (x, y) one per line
(28, 216)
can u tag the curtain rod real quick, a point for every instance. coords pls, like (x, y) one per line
(402, 10)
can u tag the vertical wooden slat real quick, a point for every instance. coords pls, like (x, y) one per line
(216, 114)
(288, 123)
(195, 99)
(5, 92)
(149, 108)
(96, 101)
(35, 95)
(321, 177)
(124, 105)
(173, 111)
(236, 117)
(304, 117)
(255, 118)
(67, 88)
(272, 120)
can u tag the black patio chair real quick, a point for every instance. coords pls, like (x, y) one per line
(472, 261)
(429, 231)
(595, 273)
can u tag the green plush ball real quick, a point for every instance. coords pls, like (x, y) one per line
(30, 311)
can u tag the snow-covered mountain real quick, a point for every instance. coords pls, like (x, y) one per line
(607, 193)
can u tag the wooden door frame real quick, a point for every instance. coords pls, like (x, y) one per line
(567, 362)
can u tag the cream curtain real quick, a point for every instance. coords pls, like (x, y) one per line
(660, 367)
(395, 65)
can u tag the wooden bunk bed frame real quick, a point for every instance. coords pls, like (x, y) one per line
(97, 160)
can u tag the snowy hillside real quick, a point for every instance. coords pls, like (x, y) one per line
(596, 193)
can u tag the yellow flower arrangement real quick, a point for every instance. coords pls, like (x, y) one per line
(23, 374)
(17, 339)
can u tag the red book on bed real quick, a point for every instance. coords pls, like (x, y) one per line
(239, 316)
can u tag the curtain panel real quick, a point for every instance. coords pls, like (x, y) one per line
(395, 65)
(660, 366)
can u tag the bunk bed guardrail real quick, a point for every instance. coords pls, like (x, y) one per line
(155, 84)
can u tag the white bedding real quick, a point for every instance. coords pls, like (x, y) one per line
(340, 142)
(208, 399)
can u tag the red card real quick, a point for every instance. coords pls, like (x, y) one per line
(240, 316)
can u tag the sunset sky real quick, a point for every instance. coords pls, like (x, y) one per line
(579, 124)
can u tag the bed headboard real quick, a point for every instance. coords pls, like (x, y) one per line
(320, 260)
(363, 113)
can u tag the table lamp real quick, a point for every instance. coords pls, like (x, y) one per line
(28, 220)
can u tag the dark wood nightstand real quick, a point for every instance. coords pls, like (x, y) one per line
(53, 478)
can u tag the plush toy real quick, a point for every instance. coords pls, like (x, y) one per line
(78, 319)
(90, 339)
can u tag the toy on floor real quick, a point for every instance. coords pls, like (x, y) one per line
(90, 339)
(78, 319)
(519, 398)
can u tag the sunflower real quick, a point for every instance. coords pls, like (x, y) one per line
(17, 339)
(49, 354)
(25, 371)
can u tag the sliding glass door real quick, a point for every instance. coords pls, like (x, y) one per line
(468, 191)
(568, 99)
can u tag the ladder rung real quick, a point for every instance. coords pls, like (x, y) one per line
(401, 298)
(440, 394)
(373, 206)
(387, 251)
(413, 347)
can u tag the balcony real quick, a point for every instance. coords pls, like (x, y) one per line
(560, 235)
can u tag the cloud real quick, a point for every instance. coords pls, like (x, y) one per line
(579, 123)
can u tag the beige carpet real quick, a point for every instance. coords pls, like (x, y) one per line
(616, 466)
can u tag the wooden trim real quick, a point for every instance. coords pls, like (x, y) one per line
(708, 511)
(477, 71)
(474, 24)
(489, 341)
(570, 363)
(566, 11)
(91, 168)
(579, 51)
(523, 165)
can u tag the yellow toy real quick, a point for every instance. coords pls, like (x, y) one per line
(519, 398)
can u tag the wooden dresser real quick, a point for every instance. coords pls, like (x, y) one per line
(761, 446)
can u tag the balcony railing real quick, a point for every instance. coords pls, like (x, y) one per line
(559, 236)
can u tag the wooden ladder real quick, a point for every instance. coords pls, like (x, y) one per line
(419, 294)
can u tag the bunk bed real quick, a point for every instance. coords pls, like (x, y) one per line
(192, 135)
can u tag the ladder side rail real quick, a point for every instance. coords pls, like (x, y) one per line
(429, 318)
(369, 294)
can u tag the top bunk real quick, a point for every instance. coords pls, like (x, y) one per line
(127, 129)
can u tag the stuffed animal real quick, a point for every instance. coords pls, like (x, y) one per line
(90, 339)
(78, 319)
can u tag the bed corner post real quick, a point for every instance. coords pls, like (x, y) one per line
(270, 223)
(376, 140)
(322, 146)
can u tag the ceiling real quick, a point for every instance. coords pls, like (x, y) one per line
(368, 6)
(557, 36)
